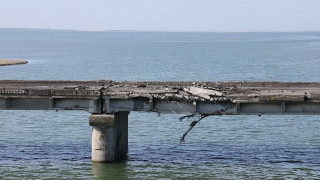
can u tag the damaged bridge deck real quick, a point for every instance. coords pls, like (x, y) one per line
(103, 96)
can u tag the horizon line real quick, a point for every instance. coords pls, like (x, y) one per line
(182, 31)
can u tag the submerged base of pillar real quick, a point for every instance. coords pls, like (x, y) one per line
(109, 137)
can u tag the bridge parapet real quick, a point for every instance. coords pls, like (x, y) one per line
(49, 95)
(230, 98)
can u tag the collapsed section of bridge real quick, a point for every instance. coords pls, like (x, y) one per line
(110, 102)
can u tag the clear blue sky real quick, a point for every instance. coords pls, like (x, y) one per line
(162, 15)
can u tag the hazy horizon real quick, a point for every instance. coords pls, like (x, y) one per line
(163, 15)
(115, 30)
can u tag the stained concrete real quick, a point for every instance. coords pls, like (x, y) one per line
(106, 96)
(109, 137)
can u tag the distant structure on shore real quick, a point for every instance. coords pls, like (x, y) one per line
(12, 62)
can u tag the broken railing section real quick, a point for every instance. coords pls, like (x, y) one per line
(235, 99)
(191, 100)
(209, 95)
(192, 124)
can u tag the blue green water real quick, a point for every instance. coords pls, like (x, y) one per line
(49, 144)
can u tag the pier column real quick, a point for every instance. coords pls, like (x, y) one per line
(109, 137)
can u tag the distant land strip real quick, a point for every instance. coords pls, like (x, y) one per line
(12, 62)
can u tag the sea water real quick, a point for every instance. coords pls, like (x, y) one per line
(50, 144)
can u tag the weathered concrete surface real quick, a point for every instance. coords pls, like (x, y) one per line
(109, 137)
(43, 95)
(104, 96)
(246, 91)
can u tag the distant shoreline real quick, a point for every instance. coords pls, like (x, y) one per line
(160, 31)
(12, 62)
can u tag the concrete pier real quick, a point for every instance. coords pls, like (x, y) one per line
(109, 137)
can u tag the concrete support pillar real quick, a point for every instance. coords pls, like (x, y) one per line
(109, 137)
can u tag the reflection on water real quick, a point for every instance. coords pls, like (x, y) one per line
(109, 171)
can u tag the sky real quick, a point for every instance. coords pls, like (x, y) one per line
(162, 15)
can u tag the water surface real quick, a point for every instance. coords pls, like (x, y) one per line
(50, 144)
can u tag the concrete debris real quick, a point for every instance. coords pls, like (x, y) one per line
(171, 90)
(204, 93)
